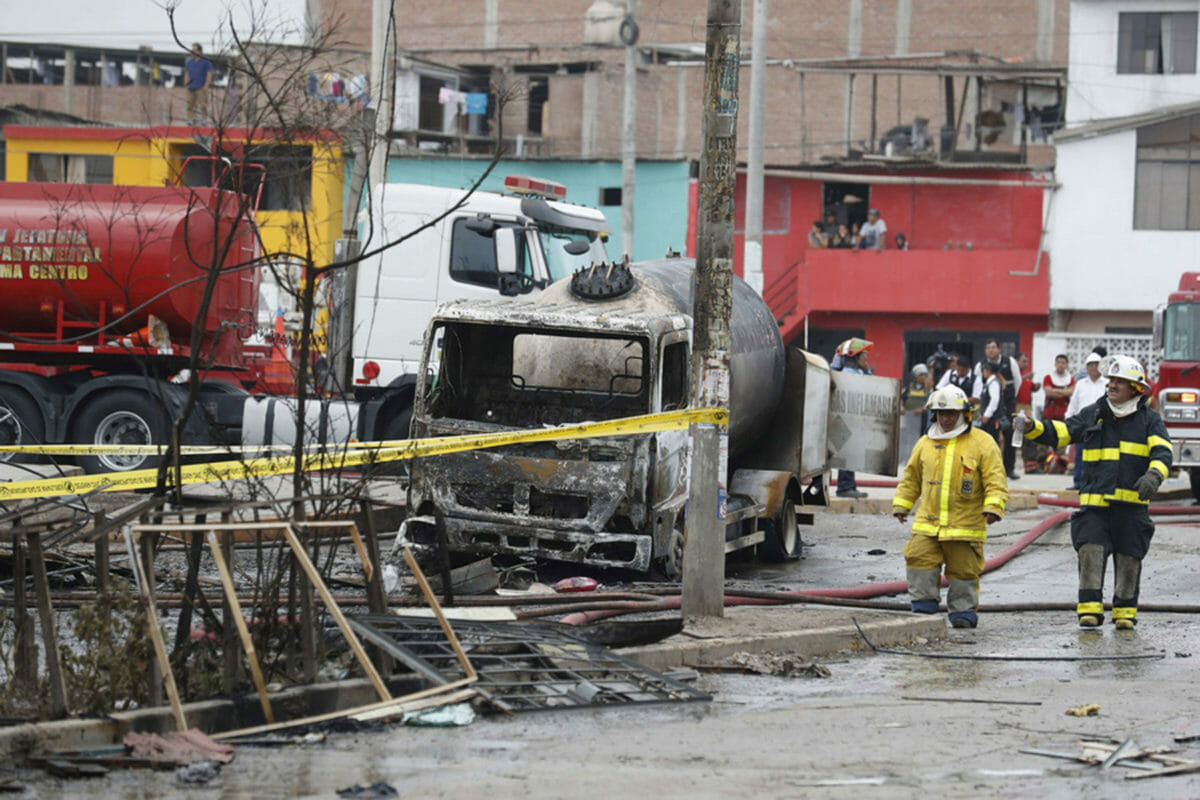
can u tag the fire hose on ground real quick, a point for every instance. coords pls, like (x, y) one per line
(582, 613)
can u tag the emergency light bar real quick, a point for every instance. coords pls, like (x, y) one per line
(538, 187)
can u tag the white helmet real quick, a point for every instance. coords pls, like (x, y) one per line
(1129, 369)
(949, 398)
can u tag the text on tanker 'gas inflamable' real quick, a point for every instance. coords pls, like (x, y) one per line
(46, 254)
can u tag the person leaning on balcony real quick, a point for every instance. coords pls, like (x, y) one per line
(816, 235)
(873, 232)
(1126, 453)
(901, 241)
(841, 239)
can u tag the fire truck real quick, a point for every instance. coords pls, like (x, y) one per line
(1177, 336)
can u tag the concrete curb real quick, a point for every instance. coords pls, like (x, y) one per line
(831, 634)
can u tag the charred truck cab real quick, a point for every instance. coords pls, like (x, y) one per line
(611, 342)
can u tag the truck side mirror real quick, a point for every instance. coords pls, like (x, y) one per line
(506, 250)
(508, 282)
(1158, 328)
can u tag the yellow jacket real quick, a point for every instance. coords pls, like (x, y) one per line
(956, 480)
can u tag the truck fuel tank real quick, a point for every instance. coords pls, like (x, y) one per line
(756, 357)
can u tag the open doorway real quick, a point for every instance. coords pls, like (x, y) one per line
(847, 202)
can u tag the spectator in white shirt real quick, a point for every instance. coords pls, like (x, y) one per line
(873, 234)
(1087, 391)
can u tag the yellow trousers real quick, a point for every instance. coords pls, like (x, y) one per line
(963, 559)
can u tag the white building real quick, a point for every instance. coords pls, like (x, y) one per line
(1124, 220)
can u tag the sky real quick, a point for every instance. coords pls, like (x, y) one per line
(129, 24)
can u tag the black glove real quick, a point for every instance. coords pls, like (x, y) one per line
(1148, 484)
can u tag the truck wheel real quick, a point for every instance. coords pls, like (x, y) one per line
(396, 428)
(120, 417)
(21, 423)
(672, 562)
(783, 535)
(1194, 477)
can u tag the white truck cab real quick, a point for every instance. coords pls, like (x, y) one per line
(442, 245)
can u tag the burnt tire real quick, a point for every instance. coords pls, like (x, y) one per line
(782, 542)
(120, 417)
(21, 423)
(672, 562)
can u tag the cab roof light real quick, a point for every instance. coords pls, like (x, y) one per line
(537, 187)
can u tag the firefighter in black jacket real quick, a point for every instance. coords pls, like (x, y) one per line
(1126, 454)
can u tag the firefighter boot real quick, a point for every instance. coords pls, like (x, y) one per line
(924, 587)
(1092, 560)
(962, 598)
(1127, 574)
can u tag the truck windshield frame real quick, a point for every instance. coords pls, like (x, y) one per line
(1181, 332)
(520, 378)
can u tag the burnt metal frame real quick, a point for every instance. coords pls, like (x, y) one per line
(522, 666)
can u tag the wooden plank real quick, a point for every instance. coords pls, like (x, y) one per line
(26, 667)
(230, 664)
(41, 587)
(437, 610)
(330, 603)
(446, 690)
(414, 705)
(247, 641)
(160, 648)
(1174, 769)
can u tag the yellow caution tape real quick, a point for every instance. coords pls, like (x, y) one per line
(357, 455)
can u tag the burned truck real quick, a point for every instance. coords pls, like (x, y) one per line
(611, 342)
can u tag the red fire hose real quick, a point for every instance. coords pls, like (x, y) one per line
(582, 616)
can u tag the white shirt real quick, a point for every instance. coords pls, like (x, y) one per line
(878, 229)
(1087, 391)
(993, 391)
(1013, 367)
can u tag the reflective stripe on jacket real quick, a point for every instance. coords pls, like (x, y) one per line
(1115, 452)
(956, 480)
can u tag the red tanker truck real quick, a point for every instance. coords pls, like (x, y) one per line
(102, 303)
(1177, 333)
(108, 301)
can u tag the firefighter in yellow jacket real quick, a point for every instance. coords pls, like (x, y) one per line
(957, 473)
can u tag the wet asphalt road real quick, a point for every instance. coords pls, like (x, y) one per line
(882, 725)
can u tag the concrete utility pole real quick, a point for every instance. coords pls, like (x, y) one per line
(383, 86)
(752, 250)
(629, 135)
(704, 553)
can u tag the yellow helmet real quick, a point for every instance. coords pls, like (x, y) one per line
(949, 398)
(1129, 369)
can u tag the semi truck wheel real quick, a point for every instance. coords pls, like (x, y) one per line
(21, 423)
(783, 536)
(120, 417)
(396, 428)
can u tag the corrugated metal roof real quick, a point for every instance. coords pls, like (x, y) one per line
(1103, 127)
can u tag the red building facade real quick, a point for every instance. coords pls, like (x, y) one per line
(975, 268)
